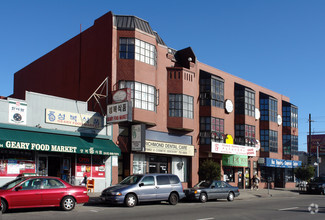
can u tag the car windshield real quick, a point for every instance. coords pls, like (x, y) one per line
(130, 180)
(13, 183)
(203, 184)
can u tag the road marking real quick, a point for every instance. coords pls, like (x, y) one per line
(93, 210)
(285, 209)
(205, 218)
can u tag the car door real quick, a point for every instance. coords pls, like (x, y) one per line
(53, 190)
(147, 189)
(27, 194)
(224, 189)
(163, 187)
(218, 190)
(211, 191)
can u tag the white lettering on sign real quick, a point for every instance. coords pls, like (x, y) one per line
(40, 147)
(68, 149)
(17, 145)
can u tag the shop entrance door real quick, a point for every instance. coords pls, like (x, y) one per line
(240, 178)
(247, 178)
(158, 165)
(42, 166)
(279, 178)
(49, 165)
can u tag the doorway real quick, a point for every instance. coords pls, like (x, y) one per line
(49, 165)
(240, 178)
(158, 164)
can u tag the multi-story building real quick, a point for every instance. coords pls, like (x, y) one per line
(316, 153)
(183, 111)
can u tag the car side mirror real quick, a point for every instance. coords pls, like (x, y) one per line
(141, 184)
(18, 188)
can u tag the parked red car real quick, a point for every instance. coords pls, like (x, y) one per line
(41, 191)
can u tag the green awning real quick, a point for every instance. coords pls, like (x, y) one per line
(49, 142)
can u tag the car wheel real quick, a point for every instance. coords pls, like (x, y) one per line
(130, 200)
(173, 199)
(68, 203)
(3, 206)
(231, 197)
(203, 197)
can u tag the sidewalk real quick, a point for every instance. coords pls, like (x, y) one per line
(244, 194)
(262, 193)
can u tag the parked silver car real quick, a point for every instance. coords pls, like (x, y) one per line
(205, 190)
(143, 188)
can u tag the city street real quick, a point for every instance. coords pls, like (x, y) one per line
(294, 206)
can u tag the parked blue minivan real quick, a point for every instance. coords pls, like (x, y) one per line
(143, 188)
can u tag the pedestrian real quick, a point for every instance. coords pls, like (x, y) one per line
(256, 182)
(84, 181)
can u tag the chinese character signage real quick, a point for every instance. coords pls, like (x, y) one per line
(73, 119)
(222, 148)
(234, 160)
(17, 112)
(119, 112)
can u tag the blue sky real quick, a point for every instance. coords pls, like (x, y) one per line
(278, 44)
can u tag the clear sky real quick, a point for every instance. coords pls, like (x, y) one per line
(277, 44)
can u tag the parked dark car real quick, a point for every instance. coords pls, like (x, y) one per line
(206, 190)
(41, 191)
(143, 188)
(316, 185)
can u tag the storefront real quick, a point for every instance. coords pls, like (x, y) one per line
(163, 157)
(279, 172)
(235, 163)
(67, 155)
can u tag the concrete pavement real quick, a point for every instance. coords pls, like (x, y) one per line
(244, 194)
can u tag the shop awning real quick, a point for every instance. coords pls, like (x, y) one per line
(50, 142)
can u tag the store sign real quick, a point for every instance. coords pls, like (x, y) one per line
(222, 148)
(234, 160)
(119, 112)
(52, 148)
(17, 112)
(73, 119)
(121, 95)
(271, 162)
(138, 137)
(169, 148)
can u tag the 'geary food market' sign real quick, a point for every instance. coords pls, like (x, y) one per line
(52, 148)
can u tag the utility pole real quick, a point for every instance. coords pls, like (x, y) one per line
(309, 139)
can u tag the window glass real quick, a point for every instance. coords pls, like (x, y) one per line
(52, 184)
(131, 48)
(162, 180)
(143, 96)
(181, 105)
(148, 181)
(32, 184)
(211, 129)
(174, 179)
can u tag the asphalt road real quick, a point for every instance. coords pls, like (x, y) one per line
(293, 207)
